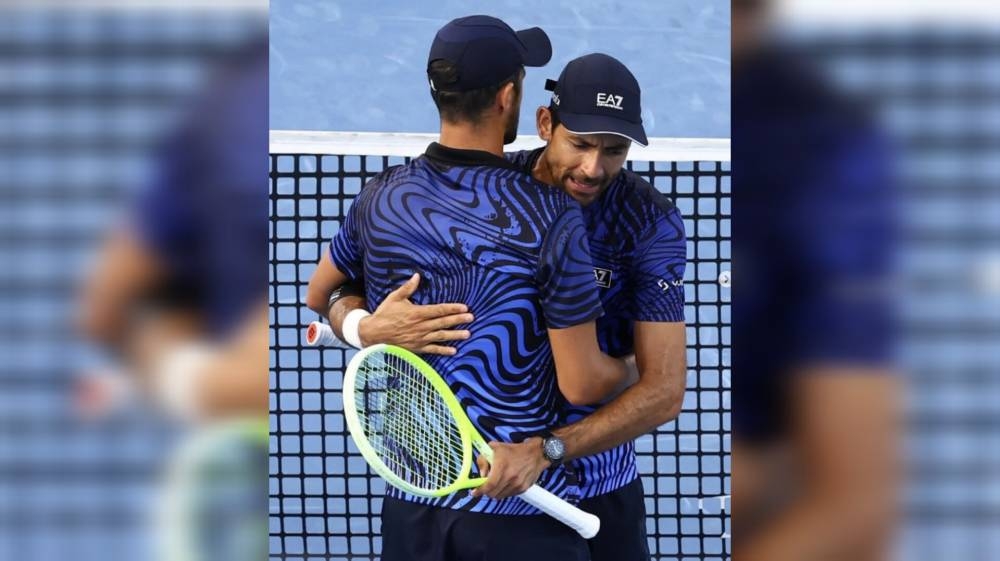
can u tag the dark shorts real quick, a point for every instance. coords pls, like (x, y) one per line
(414, 532)
(623, 524)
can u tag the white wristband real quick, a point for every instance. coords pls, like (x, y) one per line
(350, 328)
(176, 380)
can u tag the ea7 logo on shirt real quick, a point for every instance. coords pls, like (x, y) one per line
(602, 277)
(610, 100)
(667, 285)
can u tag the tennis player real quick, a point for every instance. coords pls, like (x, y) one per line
(179, 296)
(178, 292)
(637, 241)
(480, 231)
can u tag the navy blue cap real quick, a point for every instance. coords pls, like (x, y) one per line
(487, 51)
(597, 94)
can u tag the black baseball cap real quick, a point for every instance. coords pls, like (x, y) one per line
(597, 94)
(486, 51)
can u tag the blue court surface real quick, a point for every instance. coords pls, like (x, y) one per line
(360, 66)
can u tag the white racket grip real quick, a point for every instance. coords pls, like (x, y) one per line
(320, 334)
(586, 524)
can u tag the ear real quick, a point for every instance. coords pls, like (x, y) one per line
(506, 98)
(543, 122)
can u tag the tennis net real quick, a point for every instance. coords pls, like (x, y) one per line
(324, 501)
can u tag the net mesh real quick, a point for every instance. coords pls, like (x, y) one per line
(325, 501)
(407, 422)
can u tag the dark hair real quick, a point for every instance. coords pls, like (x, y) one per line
(463, 106)
(555, 116)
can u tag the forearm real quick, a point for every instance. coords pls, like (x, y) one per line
(638, 410)
(235, 385)
(235, 382)
(124, 271)
(630, 378)
(608, 377)
(197, 379)
(847, 464)
(325, 280)
(338, 312)
(826, 527)
(585, 375)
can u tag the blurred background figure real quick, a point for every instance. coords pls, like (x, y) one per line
(134, 215)
(864, 144)
(815, 415)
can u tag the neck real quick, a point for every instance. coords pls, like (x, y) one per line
(486, 137)
(542, 171)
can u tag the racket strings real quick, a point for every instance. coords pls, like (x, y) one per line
(408, 423)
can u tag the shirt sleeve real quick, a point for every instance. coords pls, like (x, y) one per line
(163, 213)
(346, 250)
(661, 259)
(565, 275)
(846, 237)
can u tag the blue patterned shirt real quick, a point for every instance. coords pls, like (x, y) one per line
(480, 231)
(639, 249)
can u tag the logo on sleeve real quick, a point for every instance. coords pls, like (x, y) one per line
(610, 100)
(602, 277)
(667, 285)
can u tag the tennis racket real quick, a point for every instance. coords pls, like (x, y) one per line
(413, 432)
(213, 505)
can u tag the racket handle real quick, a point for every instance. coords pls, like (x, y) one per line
(320, 334)
(584, 523)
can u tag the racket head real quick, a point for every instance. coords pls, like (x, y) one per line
(407, 423)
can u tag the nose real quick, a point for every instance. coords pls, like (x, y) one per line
(591, 166)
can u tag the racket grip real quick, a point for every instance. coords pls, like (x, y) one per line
(320, 334)
(586, 524)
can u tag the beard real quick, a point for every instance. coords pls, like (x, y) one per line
(510, 131)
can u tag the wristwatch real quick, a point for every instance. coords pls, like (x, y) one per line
(553, 448)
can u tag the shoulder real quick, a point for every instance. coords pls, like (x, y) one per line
(523, 190)
(392, 176)
(637, 200)
(524, 159)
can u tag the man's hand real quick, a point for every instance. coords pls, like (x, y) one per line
(421, 329)
(515, 468)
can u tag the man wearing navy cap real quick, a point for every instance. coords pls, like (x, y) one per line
(638, 247)
(515, 252)
(638, 244)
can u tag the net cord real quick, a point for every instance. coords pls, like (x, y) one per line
(414, 144)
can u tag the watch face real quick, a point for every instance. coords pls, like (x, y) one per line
(554, 449)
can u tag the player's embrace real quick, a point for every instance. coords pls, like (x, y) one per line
(638, 246)
(480, 231)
